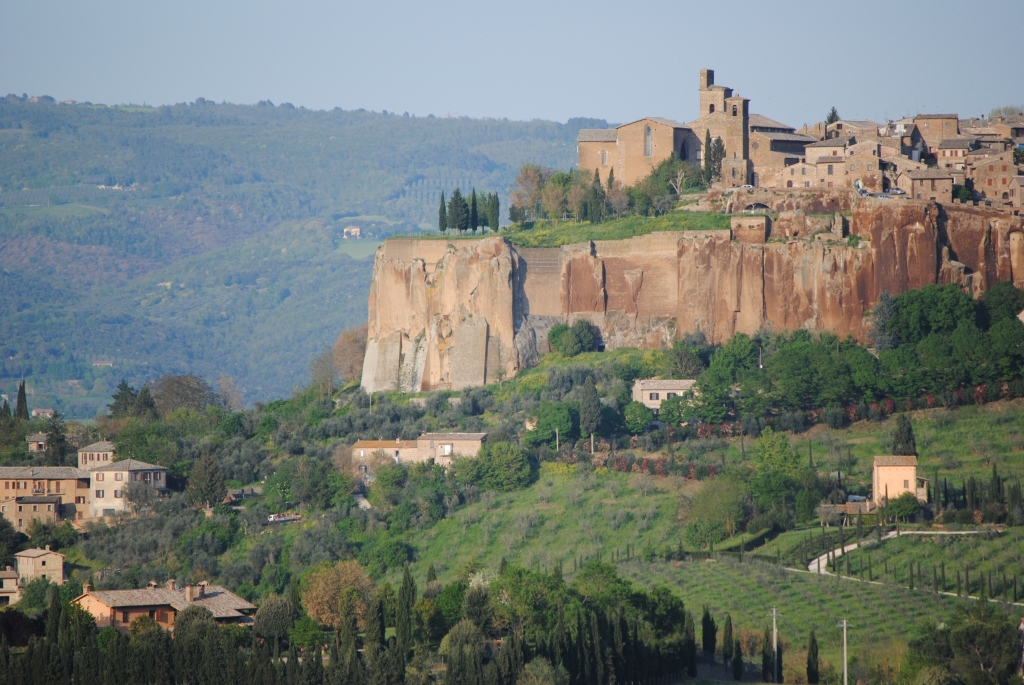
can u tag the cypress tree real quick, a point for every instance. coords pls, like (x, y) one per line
(374, 632)
(707, 158)
(903, 442)
(766, 656)
(494, 212)
(690, 646)
(590, 410)
(431, 574)
(708, 633)
(737, 661)
(21, 408)
(611, 179)
(442, 216)
(403, 620)
(727, 639)
(474, 215)
(812, 660)
(778, 664)
(5, 412)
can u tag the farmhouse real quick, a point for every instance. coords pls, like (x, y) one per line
(893, 475)
(118, 608)
(40, 563)
(651, 392)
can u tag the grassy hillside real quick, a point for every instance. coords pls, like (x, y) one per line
(243, 205)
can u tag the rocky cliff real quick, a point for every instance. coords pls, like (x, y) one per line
(458, 313)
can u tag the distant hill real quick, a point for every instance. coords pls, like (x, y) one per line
(208, 238)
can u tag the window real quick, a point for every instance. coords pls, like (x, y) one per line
(829, 169)
(871, 167)
(35, 507)
(734, 110)
(853, 167)
(933, 184)
(124, 617)
(648, 144)
(991, 167)
(803, 171)
(158, 476)
(446, 450)
(711, 109)
(604, 158)
(118, 476)
(49, 507)
(734, 173)
(3, 509)
(44, 563)
(906, 483)
(655, 396)
(99, 494)
(670, 395)
(21, 522)
(117, 494)
(21, 507)
(807, 184)
(1004, 167)
(161, 616)
(990, 181)
(99, 476)
(789, 184)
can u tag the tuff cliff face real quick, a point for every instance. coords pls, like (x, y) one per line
(453, 314)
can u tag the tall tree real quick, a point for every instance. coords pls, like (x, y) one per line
(727, 639)
(611, 179)
(708, 633)
(57, 446)
(881, 315)
(590, 410)
(708, 176)
(812, 660)
(403, 618)
(442, 216)
(690, 645)
(717, 155)
(206, 482)
(145, 405)
(494, 212)
(474, 214)
(903, 442)
(274, 617)
(458, 212)
(832, 116)
(124, 400)
(21, 408)
(767, 657)
(737, 661)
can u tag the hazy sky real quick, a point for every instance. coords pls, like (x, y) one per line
(521, 60)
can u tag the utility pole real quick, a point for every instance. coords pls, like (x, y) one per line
(556, 440)
(775, 646)
(844, 625)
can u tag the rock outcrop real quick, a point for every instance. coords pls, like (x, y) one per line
(458, 313)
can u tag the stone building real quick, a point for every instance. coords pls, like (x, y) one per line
(70, 487)
(22, 511)
(95, 455)
(991, 173)
(118, 608)
(633, 150)
(952, 153)
(10, 590)
(40, 563)
(927, 184)
(109, 482)
(935, 128)
(651, 392)
(443, 447)
(891, 476)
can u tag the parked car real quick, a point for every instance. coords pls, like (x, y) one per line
(897, 191)
(744, 187)
(883, 196)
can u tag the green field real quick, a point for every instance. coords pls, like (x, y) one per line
(748, 590)
(565, 515)
(550, 234)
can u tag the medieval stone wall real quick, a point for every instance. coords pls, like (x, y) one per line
(458, 313)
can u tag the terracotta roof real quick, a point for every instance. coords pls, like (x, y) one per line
(957, 143)
(761, 121)
(42, 472)
(936, 116)
(929, 173)
(38, 499)
(34, 553)
(384, 444)
(453, 436)
(665, 384)
(832, 142)
(597, 135)
(101, 446)
(660, 120)
(8, 574)
(791, 137)
(36, 437)
(221, 602)
(130, 465)
(832, 159)
(896, 460)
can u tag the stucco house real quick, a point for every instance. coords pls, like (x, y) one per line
(95, 455)
(10, 591)
(443, 447)
(108, 484)
(893, 475)
(40, 563)
(651, 392)
(118, 608)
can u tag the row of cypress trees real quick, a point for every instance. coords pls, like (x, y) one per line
(20, 407)
(461, 214)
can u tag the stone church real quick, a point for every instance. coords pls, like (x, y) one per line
(633, 150)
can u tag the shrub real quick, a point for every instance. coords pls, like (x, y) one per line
(834, 418)
(638, 417)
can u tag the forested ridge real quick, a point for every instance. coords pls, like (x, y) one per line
(208, 237)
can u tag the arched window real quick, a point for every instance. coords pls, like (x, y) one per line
(604, 158)
(711, 109)
(734, 110)
(789, 184)
(647, 142)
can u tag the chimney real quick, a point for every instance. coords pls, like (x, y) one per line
(47, 548)
(169, 584)
(190, 592)
(86, 587)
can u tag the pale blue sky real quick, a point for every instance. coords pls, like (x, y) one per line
(524, 59)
